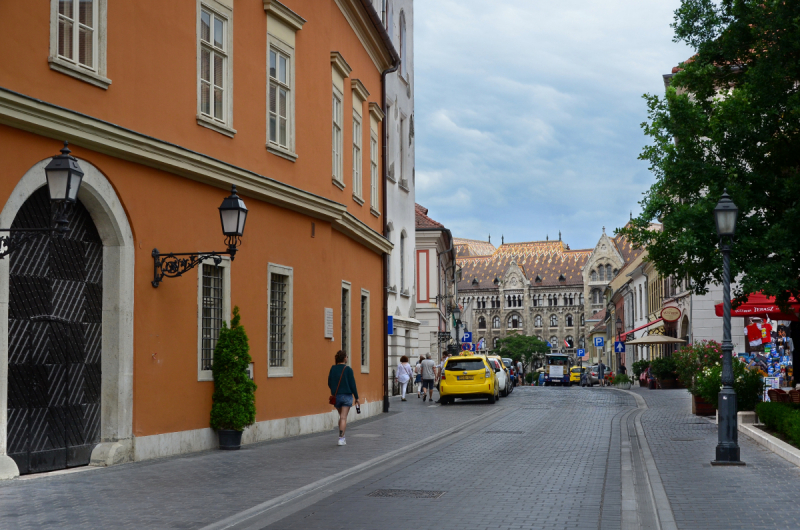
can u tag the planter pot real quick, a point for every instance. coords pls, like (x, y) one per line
(667, 384)
(229, 440)
(701, 407)
(623, 386)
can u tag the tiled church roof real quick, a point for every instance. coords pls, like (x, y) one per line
(547, 260)
(472, 247)
(626, 249)
(423, 221)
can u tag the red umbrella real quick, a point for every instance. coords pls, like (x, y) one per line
(759, 305)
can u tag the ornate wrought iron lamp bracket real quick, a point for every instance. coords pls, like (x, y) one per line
(173, 265)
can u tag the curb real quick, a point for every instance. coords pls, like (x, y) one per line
(294, 495)
(771, 443)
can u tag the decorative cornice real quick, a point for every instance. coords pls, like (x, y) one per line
(38, 117)
(284, 14)
(359, 89)
(376, 111)
(338, 62)
(367, 33)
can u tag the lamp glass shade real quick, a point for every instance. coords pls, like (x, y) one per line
(57, 183)
(725, 214)
(457, 312)
(75, 180)
(232, 215)
(619, 325)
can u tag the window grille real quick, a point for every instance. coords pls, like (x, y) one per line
(279, 92)
(363, 330)
(213, 64)
(212, 313)
(278, 305)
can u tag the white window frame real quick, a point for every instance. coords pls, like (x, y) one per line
(288, 370)
(358, 158)
(225, 14)
(365, 324)
(96, 74)
(289, 150)
(374, 174)
(401, 153)
(348, 323)
(225, 265)
(337, 133)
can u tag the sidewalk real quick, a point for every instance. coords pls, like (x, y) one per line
(192, 491)
(762, 494)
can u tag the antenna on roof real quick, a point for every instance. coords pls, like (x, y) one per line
(547, 237)
(502, 240)
(490, 238)
(604, 230)
(631, 215)
(559, 235)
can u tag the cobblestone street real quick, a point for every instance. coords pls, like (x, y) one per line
(541, 458)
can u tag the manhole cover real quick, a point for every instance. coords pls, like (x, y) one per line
(413, 494)
(503, 432)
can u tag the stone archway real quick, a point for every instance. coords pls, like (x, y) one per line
(116, 404)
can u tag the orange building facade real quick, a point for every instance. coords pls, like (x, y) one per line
(166, 105)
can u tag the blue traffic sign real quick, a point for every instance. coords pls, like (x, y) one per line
(466, 337)
(619, 347)
(390, 327)
(599, 342)
(581, 352)
(467, 346)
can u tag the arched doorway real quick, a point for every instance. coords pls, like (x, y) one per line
(54, 341)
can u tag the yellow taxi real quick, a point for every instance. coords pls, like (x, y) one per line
(575, 375)
(468, 376)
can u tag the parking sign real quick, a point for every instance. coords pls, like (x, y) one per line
(599, 342)
(581, 352)
(466, 337)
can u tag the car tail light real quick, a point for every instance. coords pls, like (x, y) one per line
(488, 373)
(444, 375)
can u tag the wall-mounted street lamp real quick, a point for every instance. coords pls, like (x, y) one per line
(64, 176)
(232, 216)
(725, 214)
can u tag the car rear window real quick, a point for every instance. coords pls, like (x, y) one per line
(464, 365)
(506, 362)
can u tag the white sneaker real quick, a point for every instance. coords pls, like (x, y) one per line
(342, 441)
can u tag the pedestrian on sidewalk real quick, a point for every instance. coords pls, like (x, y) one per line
(343, 388)
(404, 373)
(418, 376)
(520, 380)
(601, 373)
(428, 369)
(623, 370)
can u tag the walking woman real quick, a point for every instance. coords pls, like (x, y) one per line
(343, 389)
(404, 373)
(418, 378)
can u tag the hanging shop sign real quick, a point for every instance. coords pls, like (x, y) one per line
(670, 314)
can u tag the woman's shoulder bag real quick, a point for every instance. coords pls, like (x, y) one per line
(332, 399)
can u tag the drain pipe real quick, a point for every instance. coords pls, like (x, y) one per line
(384, 160)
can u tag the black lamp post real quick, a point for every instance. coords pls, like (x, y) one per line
(457, 316)
(232, 216)
(725, 215)
(64, 176)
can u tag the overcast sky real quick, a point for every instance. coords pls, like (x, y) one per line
(528, 113)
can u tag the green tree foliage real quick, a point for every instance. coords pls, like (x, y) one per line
(529, 350)
(234, 405)
(730, 119)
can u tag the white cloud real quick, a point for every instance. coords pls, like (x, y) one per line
(528, 113)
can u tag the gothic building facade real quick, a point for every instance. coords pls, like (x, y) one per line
(541, 288)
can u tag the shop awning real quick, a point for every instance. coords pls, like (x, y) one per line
(623, 336)
(656, 339)
(759, 305)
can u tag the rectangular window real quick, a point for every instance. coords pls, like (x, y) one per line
(280, 321)
(338, 139)
(214, 79)
(346, 319)
(373, 170)
(401, 177)
(214, 309)
(357, 161)
(364, 331)
(78, 39)
(402, 264)
(280, 109)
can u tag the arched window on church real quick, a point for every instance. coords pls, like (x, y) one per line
(602, 273)
(608, 272)
(583, 320)
(570, 341)
(554, 342)
(594, 276)
(580, 299)
(553, 320)
(513, 322)
(496, 322)
(537, 321)
(481, 323)
(569, 321)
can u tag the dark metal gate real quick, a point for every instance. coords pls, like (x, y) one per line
(54, 341)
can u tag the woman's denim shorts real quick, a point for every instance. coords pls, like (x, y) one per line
(344, 400)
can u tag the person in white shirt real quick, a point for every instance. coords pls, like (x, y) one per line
(404, 374)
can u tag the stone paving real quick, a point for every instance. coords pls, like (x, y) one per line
(549, 459)
(762, 494)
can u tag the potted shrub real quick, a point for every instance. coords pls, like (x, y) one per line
(690, 361)
(747, 383)
(622, 381)
(664, 371)
(234, 406)
(639, 368)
